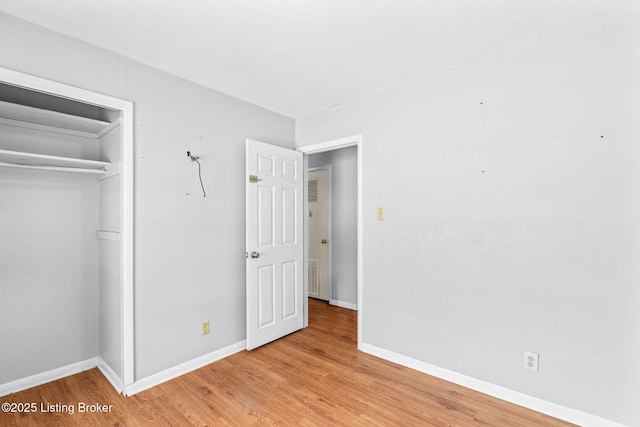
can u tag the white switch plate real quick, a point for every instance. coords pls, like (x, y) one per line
(205, 328)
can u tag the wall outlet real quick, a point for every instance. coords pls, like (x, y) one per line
(205, 327)
(531, 361)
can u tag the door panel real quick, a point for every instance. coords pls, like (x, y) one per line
(274, 242)
(290, 169)
(289, 289)
(266, 296)
(265, 216)
(265, 165)
(289, 212)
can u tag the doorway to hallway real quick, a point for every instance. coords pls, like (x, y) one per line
(345, 241)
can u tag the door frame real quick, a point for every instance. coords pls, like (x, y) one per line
(329, 213)
(331, 145)
(40, 84)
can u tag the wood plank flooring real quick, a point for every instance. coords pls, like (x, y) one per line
(315, 377)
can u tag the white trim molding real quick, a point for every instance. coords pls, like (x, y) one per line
(110, 375)
(47, 376)
(334, 144)
(183, 368)
(343, 304)
(530, 402)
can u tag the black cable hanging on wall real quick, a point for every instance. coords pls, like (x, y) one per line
(195, 159)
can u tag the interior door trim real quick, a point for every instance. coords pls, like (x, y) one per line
(40, 84)
(321, 147)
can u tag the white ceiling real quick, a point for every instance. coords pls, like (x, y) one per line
(296, 57)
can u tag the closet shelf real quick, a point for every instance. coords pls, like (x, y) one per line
(108, 235)
(32, 117)
(17, 159)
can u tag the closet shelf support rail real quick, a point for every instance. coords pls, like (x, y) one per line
(54, 168)
(18, 159)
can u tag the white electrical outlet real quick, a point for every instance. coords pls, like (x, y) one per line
(531, 361)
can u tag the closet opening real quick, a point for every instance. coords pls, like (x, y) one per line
(66, 292)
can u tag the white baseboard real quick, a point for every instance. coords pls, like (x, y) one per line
(183, 368)
(344, 304)
(110, 375)
(567, 414)
(48, 376)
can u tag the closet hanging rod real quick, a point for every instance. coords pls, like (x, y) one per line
(18, 159)
(53, 168)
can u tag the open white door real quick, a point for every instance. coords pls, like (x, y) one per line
(275, 251)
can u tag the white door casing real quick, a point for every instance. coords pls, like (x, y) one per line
(274, 242)
(321, 147)
(126, 307)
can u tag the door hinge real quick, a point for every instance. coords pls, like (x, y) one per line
(253, 178)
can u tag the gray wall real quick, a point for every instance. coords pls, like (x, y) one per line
(189, 250)
(512, 197)
(344, 232)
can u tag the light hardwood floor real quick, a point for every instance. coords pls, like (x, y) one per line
(314, 377)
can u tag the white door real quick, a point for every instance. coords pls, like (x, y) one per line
(274, 242)
(318, 202)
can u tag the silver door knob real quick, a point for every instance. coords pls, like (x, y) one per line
(255, 254)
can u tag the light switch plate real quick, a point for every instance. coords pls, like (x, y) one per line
(380, 214)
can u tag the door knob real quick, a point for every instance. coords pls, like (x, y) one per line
(255, 254)
(323, 241)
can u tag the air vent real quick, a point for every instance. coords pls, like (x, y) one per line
(314, 277)
(313, 190)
